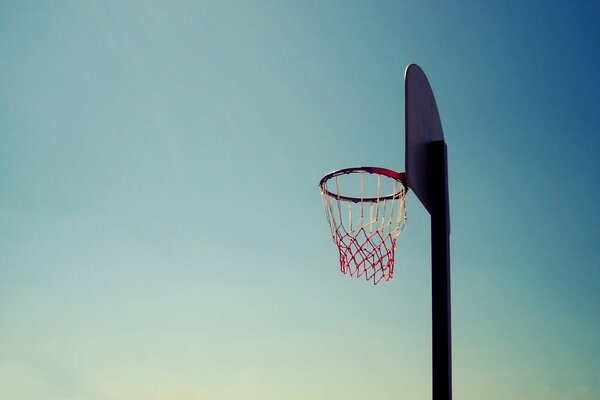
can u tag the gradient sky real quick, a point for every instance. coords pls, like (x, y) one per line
(161, 231)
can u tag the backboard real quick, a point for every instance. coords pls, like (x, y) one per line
(422, 126)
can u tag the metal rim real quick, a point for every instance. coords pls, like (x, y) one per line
(398, 176)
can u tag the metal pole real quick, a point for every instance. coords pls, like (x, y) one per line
(440, 273)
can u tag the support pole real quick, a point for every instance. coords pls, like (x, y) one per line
(440, 273)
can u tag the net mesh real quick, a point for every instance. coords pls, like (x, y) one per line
(365, 231)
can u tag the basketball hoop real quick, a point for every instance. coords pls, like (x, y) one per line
(366, 220)
(367, 216)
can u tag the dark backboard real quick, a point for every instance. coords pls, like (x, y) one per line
(423, 126)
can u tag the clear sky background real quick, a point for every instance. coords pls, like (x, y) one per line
(161, 231)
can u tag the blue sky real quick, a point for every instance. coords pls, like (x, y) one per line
(162, 233)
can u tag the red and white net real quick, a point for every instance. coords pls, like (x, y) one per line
(365, 227)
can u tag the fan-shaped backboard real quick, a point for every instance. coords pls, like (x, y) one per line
(423, 126)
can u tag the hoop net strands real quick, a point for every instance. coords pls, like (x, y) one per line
(365, 227)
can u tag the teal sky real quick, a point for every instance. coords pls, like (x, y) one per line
(161, 231)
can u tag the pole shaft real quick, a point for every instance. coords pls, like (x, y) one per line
(440, 273)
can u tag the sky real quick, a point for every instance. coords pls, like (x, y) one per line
(162, 235)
